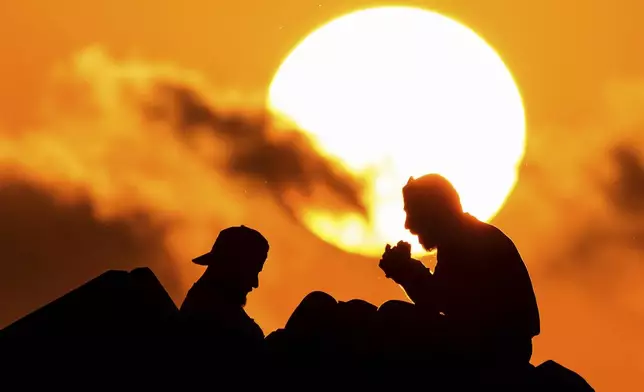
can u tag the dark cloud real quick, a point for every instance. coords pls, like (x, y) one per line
(612, 226)
(282, 164)
(627, 192)
(623, 228)
(49, 247)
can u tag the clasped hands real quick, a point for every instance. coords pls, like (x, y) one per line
(397, 263)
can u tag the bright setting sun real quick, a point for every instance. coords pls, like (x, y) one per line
(395, 92)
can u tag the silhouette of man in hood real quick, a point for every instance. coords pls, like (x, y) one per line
(480, 282)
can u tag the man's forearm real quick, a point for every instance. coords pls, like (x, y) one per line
(418, 285)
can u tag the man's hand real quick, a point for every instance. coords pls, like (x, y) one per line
(409, 273)
(396, 261)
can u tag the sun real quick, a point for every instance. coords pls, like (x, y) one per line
(394, 92)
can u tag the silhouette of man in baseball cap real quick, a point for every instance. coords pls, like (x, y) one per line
(215, 303)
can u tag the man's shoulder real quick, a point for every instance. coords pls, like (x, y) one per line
(487, 233)
(494, 243)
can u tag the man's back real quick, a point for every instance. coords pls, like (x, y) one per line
(484, 283)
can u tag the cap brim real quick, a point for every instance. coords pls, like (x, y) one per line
(203, 259)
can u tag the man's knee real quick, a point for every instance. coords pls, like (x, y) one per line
(395, 305)
(314, 307)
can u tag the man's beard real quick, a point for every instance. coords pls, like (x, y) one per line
(241, 298)
(429, 246)
(432, 251)
(235, 296)
(243, 301)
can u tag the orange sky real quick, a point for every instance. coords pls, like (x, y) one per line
(560, 52)
(578, 65)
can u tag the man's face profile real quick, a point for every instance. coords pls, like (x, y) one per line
(240, 273)
(419, 223)
(247, 272)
